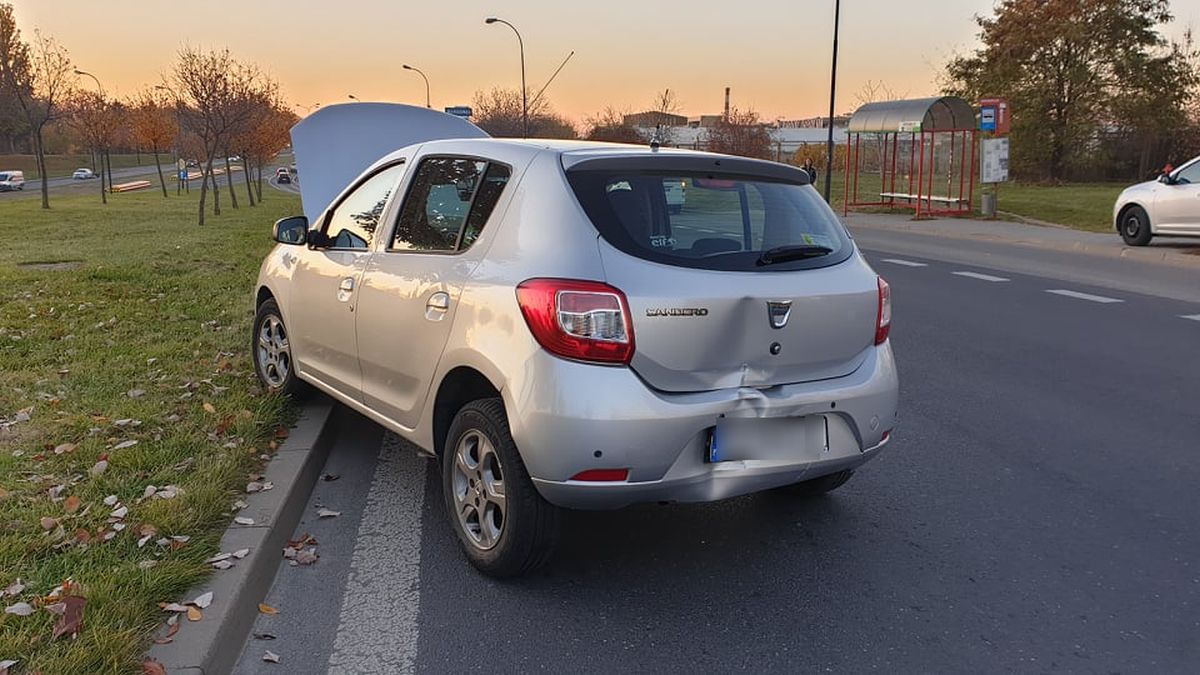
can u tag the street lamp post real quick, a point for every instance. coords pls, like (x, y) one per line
(524, 90)
(422, 74)
(837, 13)
(103, 152)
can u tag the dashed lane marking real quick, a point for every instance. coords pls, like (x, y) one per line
(1083, 296)
(981, 277)
(904, 263)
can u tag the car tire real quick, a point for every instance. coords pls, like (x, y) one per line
(1135, 226)
(816, 487)
(501, 538)
(273, 363)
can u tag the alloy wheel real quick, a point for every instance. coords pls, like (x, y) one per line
(479, 496)
(274, 352)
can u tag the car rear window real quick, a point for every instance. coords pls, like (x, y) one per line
(712, 221)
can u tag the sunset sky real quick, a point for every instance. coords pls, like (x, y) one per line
(774, 53)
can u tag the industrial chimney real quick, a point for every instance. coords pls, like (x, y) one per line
(726, 102)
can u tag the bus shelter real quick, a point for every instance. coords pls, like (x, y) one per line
(917, 153)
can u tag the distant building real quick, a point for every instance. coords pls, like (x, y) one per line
(654, 118)
(814, 123)
(703, 121)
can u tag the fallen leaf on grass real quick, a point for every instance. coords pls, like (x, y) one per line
(194, 614)
(203, 601)
(327, 513)
(19, 609)
(125, 444)
(64, 448)
(152, 667)
(271, 657)
(281, 432)
(241, 553)
(111, 500)
(267, 609)
(172, 607)
(121, 512)
(135, 393)
(254, 486)
(71, 620)
(14, 589)
(72, 504)
(222, 565)
(48, 523)
(146, 564)
(6, 664)
(208, 407)
(100, 466)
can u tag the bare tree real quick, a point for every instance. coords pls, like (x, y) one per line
(609, 125)
(155, 126)
(97, 120)
(38, 78)
(741, 132)
(667, 102)
(498, 112)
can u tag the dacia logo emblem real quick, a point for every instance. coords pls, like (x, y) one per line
(778, 311)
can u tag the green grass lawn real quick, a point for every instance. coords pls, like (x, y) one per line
(135, 328)
(61, 166)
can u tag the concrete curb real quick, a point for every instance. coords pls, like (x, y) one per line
(1149, 254)
(214, 644)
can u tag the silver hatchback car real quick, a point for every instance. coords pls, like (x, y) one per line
(541, 318)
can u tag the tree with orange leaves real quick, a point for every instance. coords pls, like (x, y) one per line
(155, 126)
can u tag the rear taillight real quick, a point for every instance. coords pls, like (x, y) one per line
(582, 320)
(883, 315)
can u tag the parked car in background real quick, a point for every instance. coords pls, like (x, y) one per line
(533, 315)
(676, 196)
(1167, 206)
(282, 175)
(12, 180)
(83, 173)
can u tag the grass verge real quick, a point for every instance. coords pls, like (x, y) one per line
(127, 337)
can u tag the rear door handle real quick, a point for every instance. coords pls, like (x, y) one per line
(437, 306)
(347, 284)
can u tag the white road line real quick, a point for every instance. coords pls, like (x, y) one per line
(1193, 317)
(981, 277)
(377, 629)
(904, 263)
(1083, 296)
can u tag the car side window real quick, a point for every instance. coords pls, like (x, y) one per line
(354, 221)
(1189, 175)
(448, 203)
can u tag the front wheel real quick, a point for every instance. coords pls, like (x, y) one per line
(505, 528)
(1135, 226)
(273, 352)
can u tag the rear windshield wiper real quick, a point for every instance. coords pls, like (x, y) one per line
(781, 254)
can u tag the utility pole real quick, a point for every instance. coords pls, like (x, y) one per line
(837, 14)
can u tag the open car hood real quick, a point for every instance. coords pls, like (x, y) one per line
(335, 144)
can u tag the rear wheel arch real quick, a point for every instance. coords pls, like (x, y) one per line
(458, 387)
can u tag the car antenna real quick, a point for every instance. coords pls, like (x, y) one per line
(656, 138)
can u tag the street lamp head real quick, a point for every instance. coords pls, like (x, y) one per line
(491, 19)
(352, 97)
(407, 67)
(79, 72)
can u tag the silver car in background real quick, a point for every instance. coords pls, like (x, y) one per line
(541, 318)
(1169, 205)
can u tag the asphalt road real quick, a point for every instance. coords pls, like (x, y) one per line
(1036, 512)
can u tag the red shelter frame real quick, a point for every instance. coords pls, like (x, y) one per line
(925, 152)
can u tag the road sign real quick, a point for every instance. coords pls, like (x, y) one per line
(460, 111)
(995, 161)
(994, 116)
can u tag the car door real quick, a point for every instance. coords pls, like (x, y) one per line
(411, 287)
(1177, 204)
(325, 293)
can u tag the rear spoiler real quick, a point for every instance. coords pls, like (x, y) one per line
(335, 144)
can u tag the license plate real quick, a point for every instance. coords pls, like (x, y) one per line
(784, 438)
